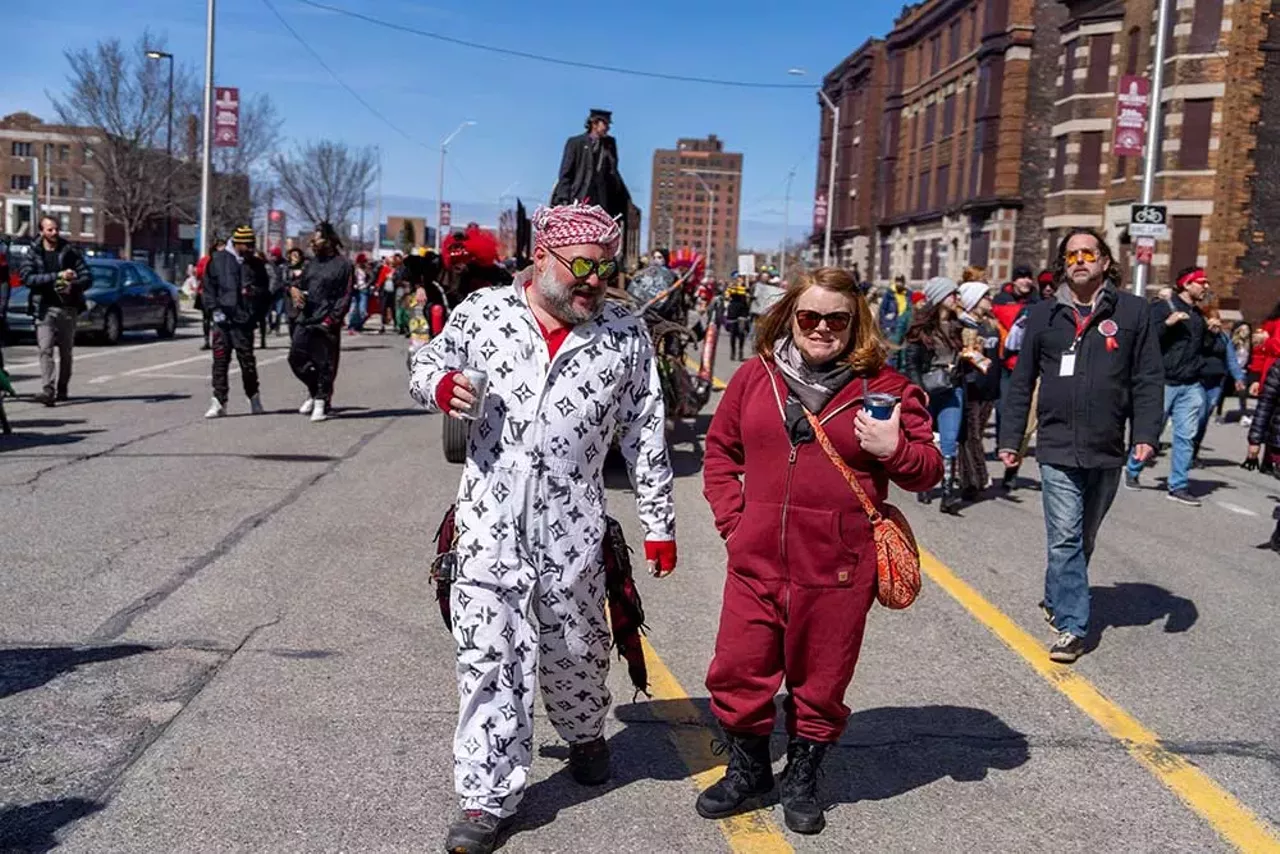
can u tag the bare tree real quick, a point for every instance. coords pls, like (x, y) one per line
(117, 105)
(325, 180)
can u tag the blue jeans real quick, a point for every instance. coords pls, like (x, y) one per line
(359, 309)
(1183, 404)
(1075, 503)
(947, 409)
(1212, 395)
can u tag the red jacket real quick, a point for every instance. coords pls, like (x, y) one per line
(1267, 352)
(802, 521)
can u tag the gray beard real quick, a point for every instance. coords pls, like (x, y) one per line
(559, 300)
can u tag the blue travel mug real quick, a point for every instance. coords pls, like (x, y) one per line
(880, 405)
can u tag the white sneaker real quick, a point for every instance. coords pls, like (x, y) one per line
(305, 408)
(317, 412)
(1245, 421)
(255, 405)
(217, 409)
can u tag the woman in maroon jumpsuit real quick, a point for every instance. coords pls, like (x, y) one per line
(801, 559)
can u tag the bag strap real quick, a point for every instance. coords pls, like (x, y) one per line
(844, 469)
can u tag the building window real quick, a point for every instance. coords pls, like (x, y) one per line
(1133, 50)
(973, 27)
(929, 120)
(19, 182)
(1090, 160)
(1122, 168)
(64, 222)
(1206, 26)
(1059, 164)
(48, 152)
(953, 35)
(948, 116)
(935, 257)
(64, 188)
(1170, 40)
(917, 259)
(1099, 78)
(86, 223)
(1185, 243)
(942, 191)
(922, 203)
(64, 154)
(21, 149)
(935, 54)
(884, 259)
(1069, 68)
(1197, 127)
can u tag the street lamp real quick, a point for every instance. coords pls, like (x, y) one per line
(786, 227)
(831, 177)
(168, 150)
(711, 201)
(444, 147)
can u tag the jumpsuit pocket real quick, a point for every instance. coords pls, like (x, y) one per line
(817, 555)
(754, 545)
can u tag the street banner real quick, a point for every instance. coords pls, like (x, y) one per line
(446, 214)
(226, 117)
(275, 229)
(820, 212)
(1131, 116)
(1145, 249)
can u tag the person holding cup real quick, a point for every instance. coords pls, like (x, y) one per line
(801, 557)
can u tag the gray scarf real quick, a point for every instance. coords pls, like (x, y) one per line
(814, 386)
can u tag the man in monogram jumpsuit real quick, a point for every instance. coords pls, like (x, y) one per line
(566, 372)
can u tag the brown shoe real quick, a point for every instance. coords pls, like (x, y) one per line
(589, 762)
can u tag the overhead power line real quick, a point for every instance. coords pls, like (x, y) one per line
(572, 63)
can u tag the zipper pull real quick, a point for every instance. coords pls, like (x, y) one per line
(792, 459)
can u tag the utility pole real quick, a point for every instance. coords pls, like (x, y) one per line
(377, 225)
(786, 227)
(206, 159)
(831, 176)
(1155, 116)
(711, 202)
(444, 147)
(35, 197)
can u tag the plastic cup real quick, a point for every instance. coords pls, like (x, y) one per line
(880, 405)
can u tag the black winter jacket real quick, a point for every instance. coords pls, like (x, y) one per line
(327, 282)
(1181, 345)
(1265, 429)
(1082, 416)
(46, 293)
(227, 286)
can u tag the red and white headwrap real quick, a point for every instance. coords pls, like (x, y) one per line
(575, 225)
(1196, 275)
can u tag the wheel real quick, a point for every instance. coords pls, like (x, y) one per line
(111, 328)
(456, 432)
(169, 325)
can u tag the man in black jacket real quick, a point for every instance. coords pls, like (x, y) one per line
(1094, 351)
(1181, 330)
(57, 277)
(589, 170)
(235, 282)
(315, 351)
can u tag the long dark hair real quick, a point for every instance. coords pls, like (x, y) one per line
(326, 230)
(1113, 273)
(927, 328)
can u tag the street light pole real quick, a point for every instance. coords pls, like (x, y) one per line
(1153, 133)
(168, 150)
(831, 177)
(711, 201)
(444, 147)
(786, 227)
(206, 158)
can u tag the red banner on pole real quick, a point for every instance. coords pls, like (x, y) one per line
(820, 212)
(275, 229)
(446, 214)
(1132, 108)
(226, 117)
(1145, 249)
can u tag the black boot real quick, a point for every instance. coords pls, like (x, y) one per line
(799, 791)
(1010, 480)
(1275, 538)
(475, 832)
(951, 499)
(749, 776)
(589, 762)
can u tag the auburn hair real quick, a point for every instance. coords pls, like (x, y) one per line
(867, 348)
(973, 273)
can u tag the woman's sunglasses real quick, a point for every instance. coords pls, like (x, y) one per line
(581, 268)
(837, 321)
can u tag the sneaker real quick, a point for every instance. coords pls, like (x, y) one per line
(255, 405)
(1131, 481)
(1066, 649)
(1245, 420)
(44, 398)
(589, 762)
(217, 409)
(305, 408)
(475, 832)
(1183, 496)
(1048, 614)
(62, 395)
(317, 412)
(6, 385)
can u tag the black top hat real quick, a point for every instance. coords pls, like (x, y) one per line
(604, 115)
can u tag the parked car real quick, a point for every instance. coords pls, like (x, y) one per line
(124, 296)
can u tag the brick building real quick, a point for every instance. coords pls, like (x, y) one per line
(857, 87)
(678, 203)
(1205, 171)
(67, 189)
(965, 137)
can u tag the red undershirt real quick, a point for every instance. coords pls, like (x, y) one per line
(554, 338)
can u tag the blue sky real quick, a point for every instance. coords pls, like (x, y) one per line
(523, 109)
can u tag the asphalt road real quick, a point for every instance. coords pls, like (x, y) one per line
(219, 636)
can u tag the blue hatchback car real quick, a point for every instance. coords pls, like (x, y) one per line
(124, 296)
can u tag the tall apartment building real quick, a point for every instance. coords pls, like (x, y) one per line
(67, 190)
(1206, 169)
(965, 137)
(857, 87)
(678, 207)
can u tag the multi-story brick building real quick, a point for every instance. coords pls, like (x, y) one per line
(857, 87)
(965, 137)
(678, 205)
(67, 189)
(1205, 168)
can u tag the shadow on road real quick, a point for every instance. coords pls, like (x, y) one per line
(885, 752)
(43, 423)
(33, 827)
(19, 441)
(118, 398)
(1131, 603)
(25, 668)
(349, 415)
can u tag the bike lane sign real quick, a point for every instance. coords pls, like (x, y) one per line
(1149, 221)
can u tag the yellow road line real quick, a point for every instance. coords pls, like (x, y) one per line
(751, 833)
(716, 383)
(1232, 820)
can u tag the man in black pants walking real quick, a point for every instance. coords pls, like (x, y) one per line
(317, 340)
(235, 281)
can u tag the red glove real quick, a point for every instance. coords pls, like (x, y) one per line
(661, 555)
(444, 390)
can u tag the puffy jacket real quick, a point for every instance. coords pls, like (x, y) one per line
(1265, 430)
(785, 511)
(1083, 415)
(1182, 344)
(327, 283)
(227, 281)
(43, 284)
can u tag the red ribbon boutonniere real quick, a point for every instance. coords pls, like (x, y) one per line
(1109, 329)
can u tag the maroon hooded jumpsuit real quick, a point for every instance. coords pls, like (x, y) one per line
(802, 562)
